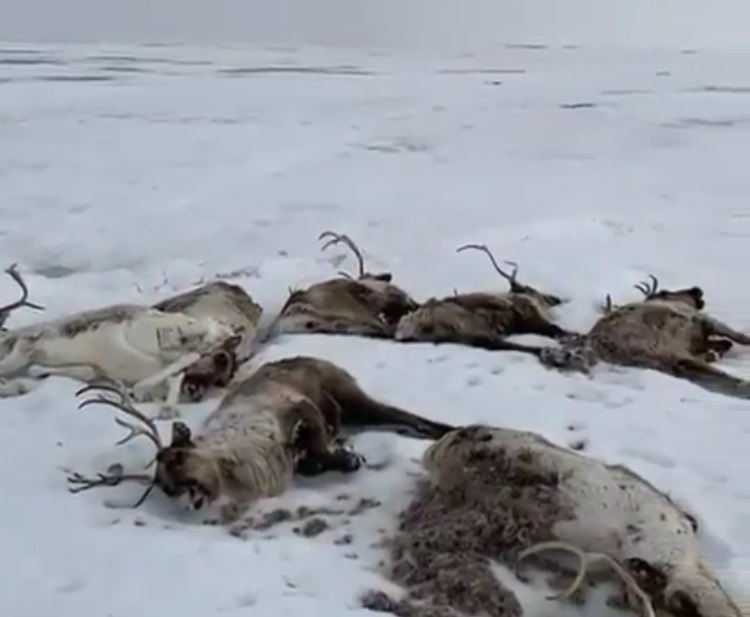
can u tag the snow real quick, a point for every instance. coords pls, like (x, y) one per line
(130, 172)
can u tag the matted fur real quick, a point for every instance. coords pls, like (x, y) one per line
(484, 477)
(285, 418)
(230, 305)
(369, 305)
(128, 343)
(668, 332)
(482, 319)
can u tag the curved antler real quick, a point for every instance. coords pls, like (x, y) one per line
(511, 278)
(335, 238)
(115, 473)
(6, 310)
(126, 405)
(585, 560)
(646, 288)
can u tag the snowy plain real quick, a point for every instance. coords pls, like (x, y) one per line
(131, 172)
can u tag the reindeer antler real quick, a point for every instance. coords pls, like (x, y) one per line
(608, 305)
(646, 288)
(335, 238)
(585, 560)
(511, 278)
(6, 310)
(115, 474)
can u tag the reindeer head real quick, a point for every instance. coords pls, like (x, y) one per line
(696, 593)
(184, 472)
(691, 296)
(181, 470)
(546, 300)
(214, 370)
(6, 310)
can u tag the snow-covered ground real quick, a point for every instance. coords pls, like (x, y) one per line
(128, 173)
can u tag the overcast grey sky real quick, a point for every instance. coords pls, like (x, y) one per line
(438, 24)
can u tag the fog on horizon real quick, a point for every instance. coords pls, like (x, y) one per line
(427, 24)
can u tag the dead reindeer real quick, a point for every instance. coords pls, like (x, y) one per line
(140, 347)
(605, 514)
(285, 418)
(230, 305)
(368, 305)
(483, 319)
(667, 332)
(6, 310)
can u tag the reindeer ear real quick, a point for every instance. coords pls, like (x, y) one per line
(386, 277)
(181, 436)
(696, 292)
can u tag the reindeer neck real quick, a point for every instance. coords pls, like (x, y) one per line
(252, 458)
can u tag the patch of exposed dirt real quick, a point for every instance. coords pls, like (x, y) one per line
(313, 518)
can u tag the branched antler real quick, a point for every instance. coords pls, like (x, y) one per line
(511, 278)
(126, 405)
(6, 310)
(585, 560)
(647, 288)
(115, 473)
(335, 238)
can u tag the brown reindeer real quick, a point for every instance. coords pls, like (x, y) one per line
(483, 319)
(368, 305)
(667, 331)
(285, 418)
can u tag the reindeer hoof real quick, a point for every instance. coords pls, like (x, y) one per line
(349, 461)
(9, 389)
(229, 513)
(168, 412)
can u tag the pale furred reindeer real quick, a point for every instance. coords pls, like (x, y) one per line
(667, 331)
(605, 514)
(231, 306)
(483, 319)
(285, 419)
(369, 305)
(140, 347)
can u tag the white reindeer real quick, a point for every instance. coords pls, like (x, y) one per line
(142, 348)
(607, 514)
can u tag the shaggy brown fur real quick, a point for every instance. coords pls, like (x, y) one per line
(370, 305)
(285, 418)
(483, 319)
(493, 510)
(232, 306)
(667, 332)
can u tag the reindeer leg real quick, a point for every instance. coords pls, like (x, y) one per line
(169, 410)
(18, 360)
(714, 327)
(149, 383)
(85, 373)
(10, 388)
(311, 439)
